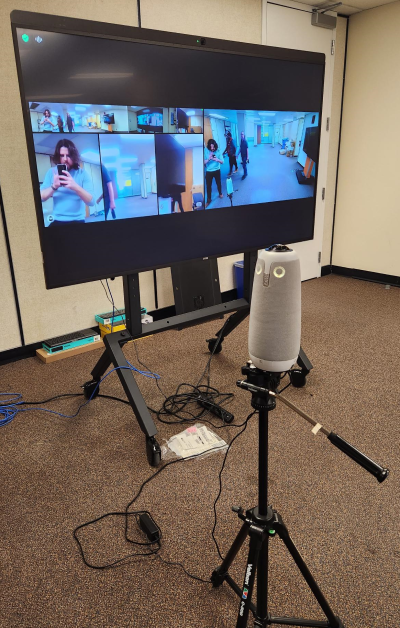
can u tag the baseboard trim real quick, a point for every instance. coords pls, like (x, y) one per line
(364, 275)
(29, 351)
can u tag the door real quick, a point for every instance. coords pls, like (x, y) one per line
(294, 20)
(299, 138)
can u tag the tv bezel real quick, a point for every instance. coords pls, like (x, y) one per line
(89, 28)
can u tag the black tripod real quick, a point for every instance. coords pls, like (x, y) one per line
(260, 524)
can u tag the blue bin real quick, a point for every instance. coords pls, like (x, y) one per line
(239, 272)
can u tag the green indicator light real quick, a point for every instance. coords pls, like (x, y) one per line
(272, 532)
(25, 37)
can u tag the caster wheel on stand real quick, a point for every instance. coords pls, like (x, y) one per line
(297, 378)
(211, 345)
(153, 451)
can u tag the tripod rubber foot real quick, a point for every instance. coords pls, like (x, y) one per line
(153, 451)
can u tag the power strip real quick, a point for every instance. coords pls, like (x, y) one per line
(215, 409)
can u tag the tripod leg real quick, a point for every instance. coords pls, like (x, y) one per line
(220, 574)
(262, 585)
(333, 621)
(257, 539)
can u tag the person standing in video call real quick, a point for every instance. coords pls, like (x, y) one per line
(60, 124)
(244, 153)
(230, 150)
(70, 123)
(69, 185)
(108, 193)
(212, 162)
(46, 121)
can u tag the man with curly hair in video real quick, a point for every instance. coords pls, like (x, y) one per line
(68, 184)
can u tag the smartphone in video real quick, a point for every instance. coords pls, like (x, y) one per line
(61, 168)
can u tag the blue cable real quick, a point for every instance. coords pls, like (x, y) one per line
(112, 301)
(9, 409)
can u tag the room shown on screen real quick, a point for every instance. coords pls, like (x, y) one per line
(180, 186)
(257, 156)
(78, 118)
(53, 117)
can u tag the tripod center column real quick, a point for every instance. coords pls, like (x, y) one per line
(263, 463)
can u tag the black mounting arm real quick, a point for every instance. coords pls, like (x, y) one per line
(364, 461)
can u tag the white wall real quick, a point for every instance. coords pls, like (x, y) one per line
(367, 224)
(121, 120)
(132, 121)
(198, 165)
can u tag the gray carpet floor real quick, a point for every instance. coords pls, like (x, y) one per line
(57, 473)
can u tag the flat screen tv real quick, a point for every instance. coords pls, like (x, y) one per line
(108, 118)
(112, 202)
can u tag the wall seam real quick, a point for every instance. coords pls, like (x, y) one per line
(11, 265)
(340, 139)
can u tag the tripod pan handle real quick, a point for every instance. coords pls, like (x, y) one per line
(372, 467)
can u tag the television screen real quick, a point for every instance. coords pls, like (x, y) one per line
(109, 118)
(198, 169)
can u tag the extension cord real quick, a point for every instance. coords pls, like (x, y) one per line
(215, 409)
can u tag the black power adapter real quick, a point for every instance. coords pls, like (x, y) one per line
(215, 409)
(148, 526)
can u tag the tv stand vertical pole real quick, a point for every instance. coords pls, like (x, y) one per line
(215, 344)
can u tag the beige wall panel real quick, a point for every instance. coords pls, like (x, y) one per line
(225, 19)
(9, 329)
(337, 89)
(66, 309)
(367, 222)
(165, 291)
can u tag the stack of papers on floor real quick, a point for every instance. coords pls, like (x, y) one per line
(196, 440)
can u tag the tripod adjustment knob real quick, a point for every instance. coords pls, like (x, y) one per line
(237, 509)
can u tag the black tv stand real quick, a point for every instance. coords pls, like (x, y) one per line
(135, 329)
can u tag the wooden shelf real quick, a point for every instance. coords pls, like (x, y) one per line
(53, 357)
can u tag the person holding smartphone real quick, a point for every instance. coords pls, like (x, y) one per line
(212, 162)
(46, 121)
(68, 185)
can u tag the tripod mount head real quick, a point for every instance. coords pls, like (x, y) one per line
(260, 383)
(263, 386)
